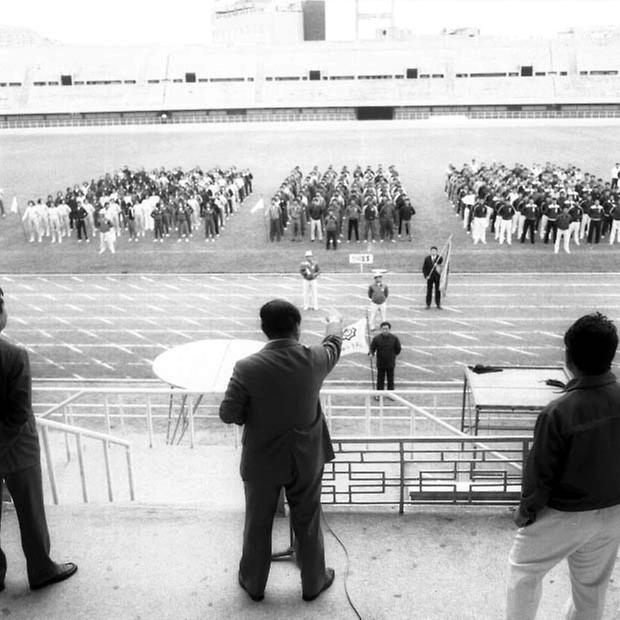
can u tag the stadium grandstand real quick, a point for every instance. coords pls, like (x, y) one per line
(570, 75)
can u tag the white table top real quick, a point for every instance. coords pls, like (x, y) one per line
(203, 366)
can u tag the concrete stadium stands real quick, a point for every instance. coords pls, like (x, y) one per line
(47, 83)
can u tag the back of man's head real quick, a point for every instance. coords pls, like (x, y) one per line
(280, 319)
(591, 343)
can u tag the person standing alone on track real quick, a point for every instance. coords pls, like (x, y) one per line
(431, 269)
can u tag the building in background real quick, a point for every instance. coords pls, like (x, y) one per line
(257, 22)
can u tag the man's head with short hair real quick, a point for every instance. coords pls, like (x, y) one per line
(280, 319)
(385, 327)
(591, 344)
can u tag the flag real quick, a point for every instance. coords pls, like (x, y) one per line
(355, 338)
(260, 205)
(445, 272)
(13, 208)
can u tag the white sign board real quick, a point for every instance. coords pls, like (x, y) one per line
(361, 259)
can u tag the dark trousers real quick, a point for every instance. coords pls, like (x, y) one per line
(275, 230)
(81, 229)
(594, 231)
(531, 226)
(382, 373)
(303, 493)
(433, 281)
(552, 225)
(26, 489)
(353, 227)
(331, 236)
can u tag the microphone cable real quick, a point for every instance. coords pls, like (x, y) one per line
(347, 566)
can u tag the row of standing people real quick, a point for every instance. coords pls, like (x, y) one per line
(139, 202)
(558, 204)
(363, 205)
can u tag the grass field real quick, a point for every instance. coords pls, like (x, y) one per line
(35, 164)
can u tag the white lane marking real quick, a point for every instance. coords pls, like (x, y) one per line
(509, 335)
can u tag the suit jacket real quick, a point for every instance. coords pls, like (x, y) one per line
(19, 442)
(275, 395)
(427, 267)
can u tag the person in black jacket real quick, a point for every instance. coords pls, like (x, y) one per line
(570, 494)
(20, 465)
(386, 346)
(431, 269)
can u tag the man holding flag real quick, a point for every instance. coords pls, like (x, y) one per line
(431, 269)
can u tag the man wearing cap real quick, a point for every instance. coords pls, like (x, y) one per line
(378, 294)
(310, 270)
(20, 465)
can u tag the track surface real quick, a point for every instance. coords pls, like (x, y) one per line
(113, 326)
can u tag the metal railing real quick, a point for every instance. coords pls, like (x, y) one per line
(348, 412)
(45, 426)
(400, 471)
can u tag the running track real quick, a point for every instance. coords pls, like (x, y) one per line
(113, 326)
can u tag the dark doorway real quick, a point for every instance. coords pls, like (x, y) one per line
(375, 113)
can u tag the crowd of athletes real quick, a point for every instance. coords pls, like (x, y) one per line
(142, 204)
(555, 203)
(361, 205)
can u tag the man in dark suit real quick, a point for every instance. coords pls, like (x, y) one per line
(431, 269)
(275, 394)
(20, 465)
(386, 346)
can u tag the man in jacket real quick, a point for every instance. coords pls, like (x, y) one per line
(431, 271)
(386, 346)
(570, 498)
(20, 465)
(378, 294)
(310, 270)
(275, 395)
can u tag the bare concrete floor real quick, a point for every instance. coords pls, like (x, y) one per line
(180, 562)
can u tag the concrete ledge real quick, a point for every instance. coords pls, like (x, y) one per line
(180, 562)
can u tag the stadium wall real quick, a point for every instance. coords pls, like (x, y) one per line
(475, 77)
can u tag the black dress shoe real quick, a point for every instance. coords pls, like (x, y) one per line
(64, 572)
(255, 597)
(330, 574)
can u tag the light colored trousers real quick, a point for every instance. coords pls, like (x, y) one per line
(505, 231)
(372, 312)
(563, 235)
(615, 231)
(588, 539)
(478, 229)
(311, 294)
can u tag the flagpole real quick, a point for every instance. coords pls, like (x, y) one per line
(372, 371)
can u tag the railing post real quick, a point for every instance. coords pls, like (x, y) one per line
(149, 419)
(190, 413)
(108, 473)
(401, 499)
(78, 441)
(65, 419)
(50, 465)
(132, 494)
(106, 414)
(121, 414)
